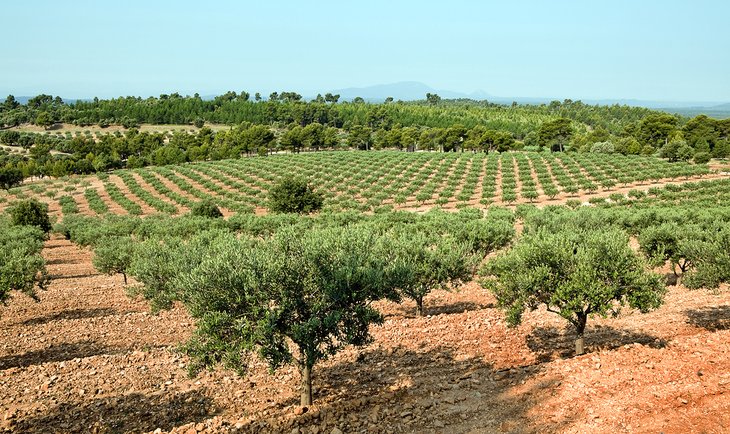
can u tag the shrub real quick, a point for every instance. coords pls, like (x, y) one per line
(294, 195)
(31, 213)
(702, 158)
(206, 208)
(21, 263)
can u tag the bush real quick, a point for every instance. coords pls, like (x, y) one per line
(603, 148)
(21, 265)
(206, 208)
(702, 158)
(31, 213)
(294, 195)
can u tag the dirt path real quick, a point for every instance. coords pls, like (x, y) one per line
(89, 359)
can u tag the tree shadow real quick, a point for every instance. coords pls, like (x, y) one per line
(459, 307)
(71, 314)
(135, 412)
(429, 391)
(710, 318)
(59, 353)
(550, 343)
(72, 276)
(61, 261)
(409, 311)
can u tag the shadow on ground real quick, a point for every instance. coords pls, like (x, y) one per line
(72, 314)
(710, 318)
(135, 412)
(412, 391)
(59, 353)
(550, 343)
(409, 311)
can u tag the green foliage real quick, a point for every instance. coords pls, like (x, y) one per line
(428, 262)
(22, 267)
(113, 255)
(206, 208)
(575, 274)
(667, 242)
(710, 258)
(10, 177)
(702, 157)
(31, 212)
(294, 195)
(313, 290)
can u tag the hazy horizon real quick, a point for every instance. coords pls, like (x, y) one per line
(658, 51)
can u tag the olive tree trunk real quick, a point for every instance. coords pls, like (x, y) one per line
(419, 306)
(306, 387)
(580, 327)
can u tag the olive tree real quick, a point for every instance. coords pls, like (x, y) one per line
(113, 255)
(669, 242)
(710, 258)
(22, 267)
(428, 262)
(296, 298)
(575, 274)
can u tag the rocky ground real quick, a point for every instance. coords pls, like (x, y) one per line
(87, 358)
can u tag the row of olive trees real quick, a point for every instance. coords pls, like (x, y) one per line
(22, 232)
(312, 287)
(299, 296)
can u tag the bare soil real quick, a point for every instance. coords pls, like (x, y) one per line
(87, 358)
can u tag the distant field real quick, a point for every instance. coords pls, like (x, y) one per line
(364, 181)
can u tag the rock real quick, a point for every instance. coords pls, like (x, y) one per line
(336, 430)
(438, 424)
(301, 410)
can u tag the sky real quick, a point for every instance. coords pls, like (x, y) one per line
(640, 49)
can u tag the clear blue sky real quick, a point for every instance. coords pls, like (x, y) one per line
(646, 49)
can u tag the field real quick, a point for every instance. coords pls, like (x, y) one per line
(365, 181)
(90, 358)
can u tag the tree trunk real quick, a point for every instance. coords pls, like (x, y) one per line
(580, 328)
(306, 388)
(419, 306)
(125, 278)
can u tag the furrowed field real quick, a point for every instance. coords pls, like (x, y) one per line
(443, 356)
(365, 182)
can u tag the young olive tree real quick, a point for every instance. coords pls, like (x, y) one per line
(22, 267)
(710, 258)
(428, 262)
(575, 274)
(295, 298)
(113, 255)
(669, 242)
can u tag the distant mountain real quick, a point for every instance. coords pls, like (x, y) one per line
(405, 91)
(24, 99)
